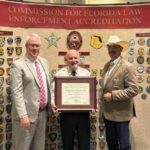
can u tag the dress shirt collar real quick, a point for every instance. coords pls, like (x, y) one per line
(116, 61)
(30, 58)
(70, 71)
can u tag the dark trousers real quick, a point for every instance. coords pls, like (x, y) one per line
(117, 135)
(75, 122)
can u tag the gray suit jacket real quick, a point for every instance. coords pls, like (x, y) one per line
(122, 84)
(25, 88)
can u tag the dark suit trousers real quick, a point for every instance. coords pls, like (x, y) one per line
(117, 135)
(75, 122)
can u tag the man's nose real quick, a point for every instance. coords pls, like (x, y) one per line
(73, 59)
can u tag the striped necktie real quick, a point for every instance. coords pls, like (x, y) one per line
(41, 83)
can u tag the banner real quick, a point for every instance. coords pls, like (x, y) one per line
(26, 15)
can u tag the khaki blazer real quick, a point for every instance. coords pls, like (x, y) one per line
(25, 88)
(122, 83)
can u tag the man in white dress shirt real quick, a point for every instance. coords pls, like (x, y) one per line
(73, 122)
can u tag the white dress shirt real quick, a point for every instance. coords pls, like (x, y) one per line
(111, 68)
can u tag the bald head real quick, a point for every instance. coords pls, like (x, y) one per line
(72, 52)
(72, 59)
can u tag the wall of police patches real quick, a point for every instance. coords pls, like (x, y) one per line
(54, 46)
(90, 43)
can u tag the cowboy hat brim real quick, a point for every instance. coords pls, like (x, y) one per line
(123, 44)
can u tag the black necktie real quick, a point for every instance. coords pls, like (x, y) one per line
(73, 73)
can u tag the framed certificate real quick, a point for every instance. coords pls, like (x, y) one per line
(75, 93)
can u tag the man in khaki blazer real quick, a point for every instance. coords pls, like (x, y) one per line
(117, 97)
(28, 117)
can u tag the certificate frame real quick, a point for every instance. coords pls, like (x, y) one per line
(75, 84)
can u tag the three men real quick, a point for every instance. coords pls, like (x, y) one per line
(31, 97)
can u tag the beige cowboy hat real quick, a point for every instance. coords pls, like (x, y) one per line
(114, 39)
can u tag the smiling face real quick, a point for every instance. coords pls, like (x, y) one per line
(114, 51)
(33, 46)
(72, 59)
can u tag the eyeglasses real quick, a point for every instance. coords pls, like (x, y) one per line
(34, 45)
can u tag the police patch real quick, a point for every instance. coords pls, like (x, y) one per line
(2, 61)
(1, 81)
(18, 51)
(74, 40)
(18, 40)
(9, 40)
(96, 41)
(2, 41)
(1, 51)
(9, 61)
(10, 50)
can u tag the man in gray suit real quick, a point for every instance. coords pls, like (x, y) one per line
(31, 97)
(118, 90)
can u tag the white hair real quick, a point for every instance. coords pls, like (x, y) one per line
(32, 35)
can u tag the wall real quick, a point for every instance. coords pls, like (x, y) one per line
(140, 129)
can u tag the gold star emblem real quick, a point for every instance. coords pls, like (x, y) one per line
(52, 40)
